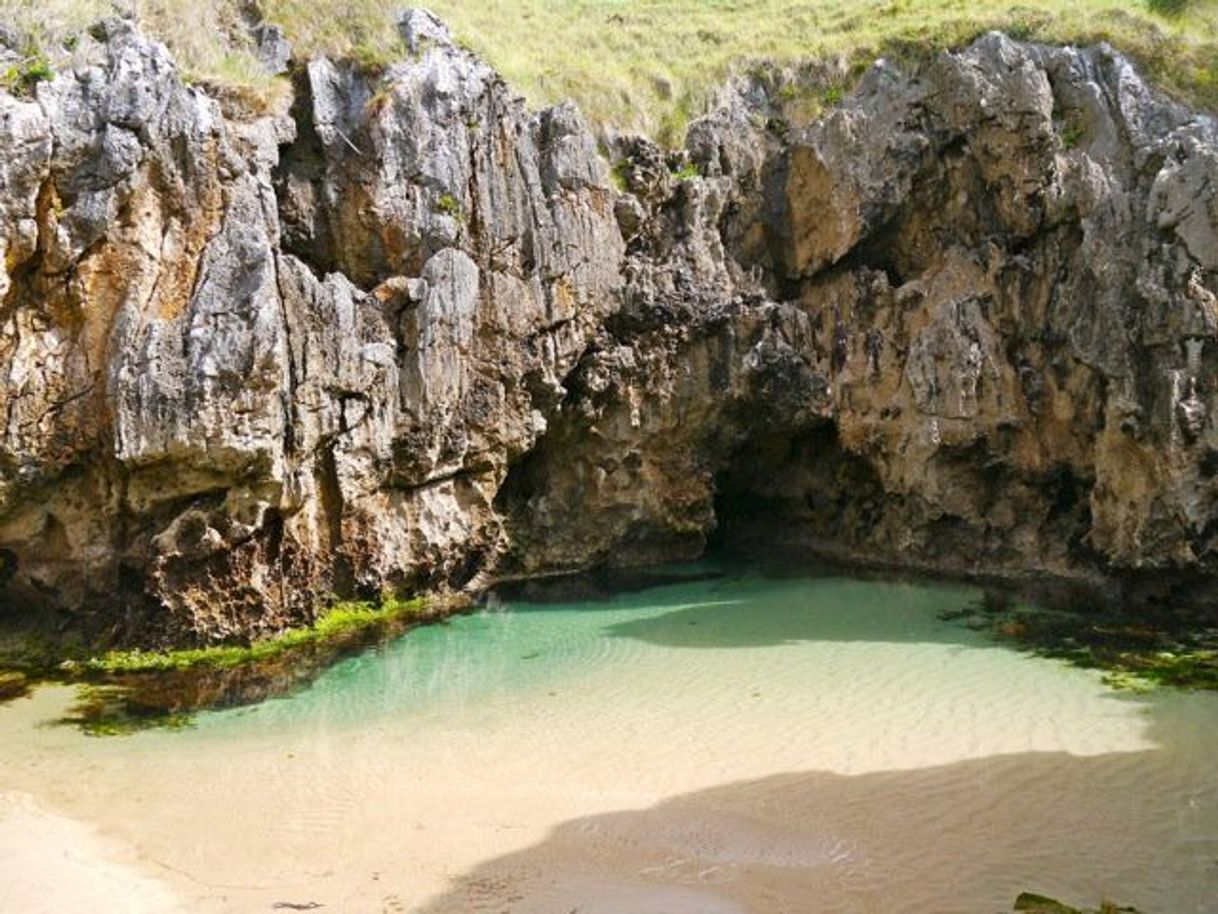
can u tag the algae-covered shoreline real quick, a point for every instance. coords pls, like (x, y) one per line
(821, 737)
(123, 691)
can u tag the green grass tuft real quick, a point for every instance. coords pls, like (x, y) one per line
(686, 172)
(1168, 7)
(619, 174)
(1072, 135)
(21, 77)
(449, 206)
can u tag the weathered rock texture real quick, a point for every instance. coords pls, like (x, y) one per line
(979, 336)
(410, 337)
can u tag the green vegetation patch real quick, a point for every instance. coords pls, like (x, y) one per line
(652, 65)
(21, 77)
(686, 172)
(1135, 652)
(1031, 903)
(341, 622)
(449, 205)
(123, 692)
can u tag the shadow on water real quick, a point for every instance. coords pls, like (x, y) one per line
(1173, 648)
(1137, 828)
(1134, 827)
(600, 586)
(812, 609)
(704, 607)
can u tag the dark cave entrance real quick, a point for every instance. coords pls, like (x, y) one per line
(795, 494)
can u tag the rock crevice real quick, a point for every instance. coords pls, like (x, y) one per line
(410, 336)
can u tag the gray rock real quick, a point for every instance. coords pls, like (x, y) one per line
(420, 28)
(994, 345)
(10, 38)
(272, 47)
(415, 340)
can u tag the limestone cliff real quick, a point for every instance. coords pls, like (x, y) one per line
(409, 336)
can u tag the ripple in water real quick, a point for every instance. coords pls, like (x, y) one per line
(735, 744)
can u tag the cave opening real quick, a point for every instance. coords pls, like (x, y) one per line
(795, 494)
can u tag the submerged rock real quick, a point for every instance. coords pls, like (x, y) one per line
(13, 685)
(411, 338)
(1039, 904)
(1135, 651)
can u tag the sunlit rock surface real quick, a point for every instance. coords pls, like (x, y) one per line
(410, 335)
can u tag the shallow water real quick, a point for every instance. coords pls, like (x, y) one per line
(736, 744)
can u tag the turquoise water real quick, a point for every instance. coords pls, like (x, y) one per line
(737, 744)
(513, 651)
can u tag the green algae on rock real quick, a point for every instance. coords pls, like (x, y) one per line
(125, 691)
(335, 625)
(13, 685)
(1172, 649)
(1039, 904)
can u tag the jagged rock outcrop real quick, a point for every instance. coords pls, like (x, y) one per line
(252, 363)
(964, 321)
(409, 337)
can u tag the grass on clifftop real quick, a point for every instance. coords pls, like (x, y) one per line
(645, 64)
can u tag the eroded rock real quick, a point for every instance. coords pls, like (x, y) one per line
(411, 338)
(993, 352)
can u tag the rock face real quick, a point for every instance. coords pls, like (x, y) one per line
(963, 322)
(409, 336)
(252, 363)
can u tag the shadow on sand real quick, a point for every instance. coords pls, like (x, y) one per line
(1138, 828)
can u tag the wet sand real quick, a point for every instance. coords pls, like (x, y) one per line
(51, 863)
(742, 745)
